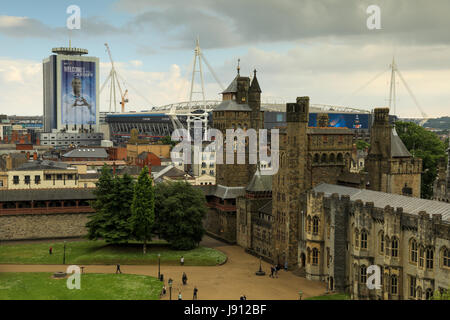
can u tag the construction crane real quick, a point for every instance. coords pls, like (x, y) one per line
(113, 79)
(124, 100)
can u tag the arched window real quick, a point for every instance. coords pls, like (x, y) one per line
(323, 159)
(413, 248)
(445, 257)
(308, 222)
(381, 241)
(421, 257)
(339, 158)
(356, 238)
(315, 225)
(316, 158)
(430, 256)
(363, 239)
(394, 284)
(363, 274)
(394, 247)
(428, 294)
(332, 158)
(419, 293)
(315, 256)
(308, 255)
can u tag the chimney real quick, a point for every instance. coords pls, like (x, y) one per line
(28, 155)
(35, 156)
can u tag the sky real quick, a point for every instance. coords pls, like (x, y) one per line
(317, 48)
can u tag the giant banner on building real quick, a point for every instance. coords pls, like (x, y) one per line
(79, 92)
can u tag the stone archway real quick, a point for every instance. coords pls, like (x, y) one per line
(331, 284)
(303, 259)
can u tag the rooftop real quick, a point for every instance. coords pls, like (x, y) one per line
(381, 199)
(87, 153)
(232, 105)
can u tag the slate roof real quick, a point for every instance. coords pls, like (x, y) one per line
(229, 192)
(87, 153)
(43, 165)
(232, 88)
(232, 105)
(255, 85)
(398, 149)
(260, 183)
(381, 199)
(46, 194)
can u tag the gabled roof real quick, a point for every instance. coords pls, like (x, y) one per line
(232, 105)
(398, 149)
(381, 199)
(232, 88)
(255, 85)
(260, 183)
(224, 192)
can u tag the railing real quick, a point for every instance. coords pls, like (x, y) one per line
(49, 210)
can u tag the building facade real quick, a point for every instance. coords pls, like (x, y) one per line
(441, 187)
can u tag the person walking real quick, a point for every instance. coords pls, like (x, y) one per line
(276, 268)
(272, 269)
(179, 295)
(285, 266)
(184, 278)
(118, 268)
(243, 297)
(182, 261)
(50, 250)
(195, 293)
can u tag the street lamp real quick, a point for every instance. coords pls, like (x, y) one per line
(170, 288)
(64, 256)
(159, 266)
(260, 272)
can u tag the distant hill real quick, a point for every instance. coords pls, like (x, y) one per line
(439, 123)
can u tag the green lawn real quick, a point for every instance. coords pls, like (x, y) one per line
(337, 296)
(98, 252)
(41, 286)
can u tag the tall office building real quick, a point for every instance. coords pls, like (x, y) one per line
(71, 98)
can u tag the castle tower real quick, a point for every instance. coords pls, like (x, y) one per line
(390, 165)
(240, 109)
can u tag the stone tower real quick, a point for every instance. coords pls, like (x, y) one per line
(390, 166)
(289, 184)
(240, 109)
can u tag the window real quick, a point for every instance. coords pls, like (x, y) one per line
(394, 284)
(429, 294)
(70, 177)
(381, 235)
(421, 251)
(1, 183)
(363, 274)
(412, 287)
(356, 238)
(37, 179)
(430, 254)
(445, 257)
(48, 177)
(315, 225)
(308, 222)
(16, 179)
(59, 177)
(394, 247)
(315, 256)
(413, 251)
(364, 239)
(27, 179)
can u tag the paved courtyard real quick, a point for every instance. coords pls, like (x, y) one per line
(227, 282)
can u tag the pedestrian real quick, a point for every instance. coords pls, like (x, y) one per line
(50, 250)
(163, 291)
(276, 270)
(272, 269)
(243, 297)
(285, 266)
(179, 295)
(184, 278)
(195, 293)
(182, 261)
(118, 268)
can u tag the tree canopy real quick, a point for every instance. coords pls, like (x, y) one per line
(179, 211)
(425, 145)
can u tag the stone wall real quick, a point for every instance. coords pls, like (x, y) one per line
(45, 226)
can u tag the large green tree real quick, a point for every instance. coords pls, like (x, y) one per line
(425, 145)
(143, 209)
(113, 208)
(179, 211)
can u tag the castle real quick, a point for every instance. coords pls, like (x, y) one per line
(304, 217)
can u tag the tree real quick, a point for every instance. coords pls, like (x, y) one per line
(179, 211)
(112, 206)
(425, 145)
(362, 145)
(143, 208)
(168, 140)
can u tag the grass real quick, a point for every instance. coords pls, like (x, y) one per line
(41, 286)
(99, 252)
(337, 296)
